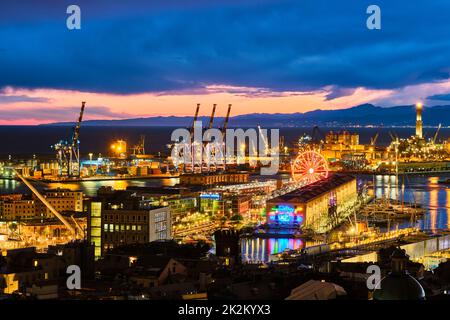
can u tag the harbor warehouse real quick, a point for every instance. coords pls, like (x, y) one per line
(315, 205)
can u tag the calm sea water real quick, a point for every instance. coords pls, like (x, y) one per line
(22, 141)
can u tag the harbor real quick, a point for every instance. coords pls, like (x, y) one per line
(429, 196)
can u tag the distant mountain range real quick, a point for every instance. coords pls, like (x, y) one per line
(364, 115)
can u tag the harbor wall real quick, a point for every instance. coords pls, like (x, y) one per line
(415, 250)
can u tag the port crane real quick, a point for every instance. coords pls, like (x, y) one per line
(225, 123)
(211, 119)
(68, 152)
(197, 162)
(195, 119)
(188, 149)
(436, 134)
(374, 139)
(222, 163)
(205, 164)
(139, 149)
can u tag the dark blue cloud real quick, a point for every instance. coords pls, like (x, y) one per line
(141, 46)
(440, 97)
(336, 92)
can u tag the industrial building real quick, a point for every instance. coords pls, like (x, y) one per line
(418, 153)
(314, 206)
(344, 148)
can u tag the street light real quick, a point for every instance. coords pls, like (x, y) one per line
(90, 161)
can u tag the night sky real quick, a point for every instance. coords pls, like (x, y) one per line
(142, 58)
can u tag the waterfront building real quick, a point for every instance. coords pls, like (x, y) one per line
(315, 206)
(213, 178)
(254, 187)
(24, 207)
(250, 198)
(223, 203)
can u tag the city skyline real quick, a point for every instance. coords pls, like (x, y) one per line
(161, 58)
(246, 153)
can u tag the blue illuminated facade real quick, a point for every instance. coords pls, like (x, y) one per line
(286, 215)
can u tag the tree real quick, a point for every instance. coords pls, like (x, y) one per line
(13, 227)
(237, 218)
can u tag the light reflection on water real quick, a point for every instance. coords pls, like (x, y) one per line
(257, 250)
(425, 190)
(89, 188)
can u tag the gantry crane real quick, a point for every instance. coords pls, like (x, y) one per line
(222, 163)
(205, 164)
(374, 139)
(211, 119)
(436, 134)
(139, 149)
(188, 166)
(225, 123)
(68, 152)
(195, 119)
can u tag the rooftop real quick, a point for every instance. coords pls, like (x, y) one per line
(313, 190)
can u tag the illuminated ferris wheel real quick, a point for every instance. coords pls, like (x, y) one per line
(309, 166)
